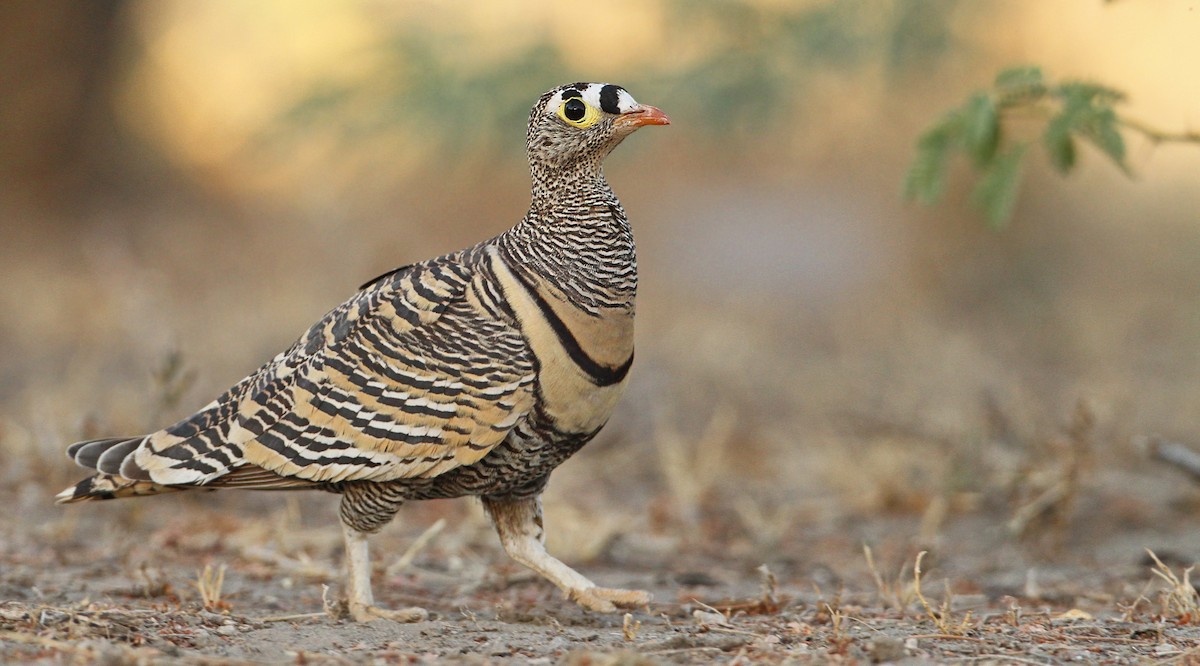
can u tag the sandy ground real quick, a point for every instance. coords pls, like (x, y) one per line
(118, 583)
(996, 431)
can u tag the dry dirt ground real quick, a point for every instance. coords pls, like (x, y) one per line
(120, 583)
(768, 532)
(1007, 451)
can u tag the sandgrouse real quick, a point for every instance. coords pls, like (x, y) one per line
(475, 373)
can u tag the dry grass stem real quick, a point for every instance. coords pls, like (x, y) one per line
(710, 616)
(894, 593)
(1012, 614)
(1041, 505)
(942, 618)
(301, 565)
(836, 623)
(766, 527)
(630, 627)
(933, 518)
(334, 608)
(1051, 484)
(770, 587)
(1129, 611)
(416, 547)
(1179, 600)
(209, 583)
(691, 468)
(172, 380)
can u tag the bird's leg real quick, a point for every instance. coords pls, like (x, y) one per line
(519, 524)
(358, 583)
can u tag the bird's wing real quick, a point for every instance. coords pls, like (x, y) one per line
(416, 375)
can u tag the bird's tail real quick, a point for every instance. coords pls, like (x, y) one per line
(110, 486)
(113, 459)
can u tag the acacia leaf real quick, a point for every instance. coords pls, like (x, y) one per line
(996, 192)
(1103, 131)
(1024, 76)
(1059, 143)
(926, 177)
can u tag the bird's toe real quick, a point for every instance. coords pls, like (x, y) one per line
(608, 600)
(403, 615)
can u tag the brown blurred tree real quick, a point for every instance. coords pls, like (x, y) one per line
(58, 64)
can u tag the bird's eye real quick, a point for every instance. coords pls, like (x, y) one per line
(574, 109)
(578, 113)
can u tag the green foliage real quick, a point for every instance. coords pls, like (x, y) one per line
(423, 87)
(1072, 111)
(996, 192)
(759, 58)
(926, 178)
(747, 70)
(973, 128)
(1015, 80)
(981, 129)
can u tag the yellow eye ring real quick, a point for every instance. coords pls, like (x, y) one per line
(578, 113)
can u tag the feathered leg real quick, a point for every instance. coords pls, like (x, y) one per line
(519, 524)
(364, 510)
(358, 583)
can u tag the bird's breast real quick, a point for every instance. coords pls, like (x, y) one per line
(583, 357)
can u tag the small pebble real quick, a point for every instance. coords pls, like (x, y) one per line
(886, 648)
(711, 618)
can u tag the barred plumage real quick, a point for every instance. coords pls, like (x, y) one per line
(476, 373)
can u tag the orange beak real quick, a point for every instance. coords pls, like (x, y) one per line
(641, 116)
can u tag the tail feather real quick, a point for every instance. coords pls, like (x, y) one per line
(109, 486)
(110, 461)
(87, 453)
(112, 456)
(118, 475)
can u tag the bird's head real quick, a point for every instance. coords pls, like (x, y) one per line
(576, 125)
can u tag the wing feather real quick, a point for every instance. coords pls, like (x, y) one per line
(410, 378)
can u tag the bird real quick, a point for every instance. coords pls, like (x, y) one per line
(475, 373)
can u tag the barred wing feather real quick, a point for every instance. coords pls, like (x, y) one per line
(411, 378)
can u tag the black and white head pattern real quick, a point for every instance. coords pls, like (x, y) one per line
(574, 123)
(609, 98)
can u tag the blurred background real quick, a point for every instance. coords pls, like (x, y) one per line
(185, 186)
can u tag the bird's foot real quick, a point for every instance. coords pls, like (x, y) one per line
(608, 600)
(365, 613)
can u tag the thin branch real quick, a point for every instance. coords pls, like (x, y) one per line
(1158, 136)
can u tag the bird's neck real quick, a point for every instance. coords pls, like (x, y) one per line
(579, 238)
(557, 188)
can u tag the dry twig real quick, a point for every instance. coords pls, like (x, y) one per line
(1176, 455)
